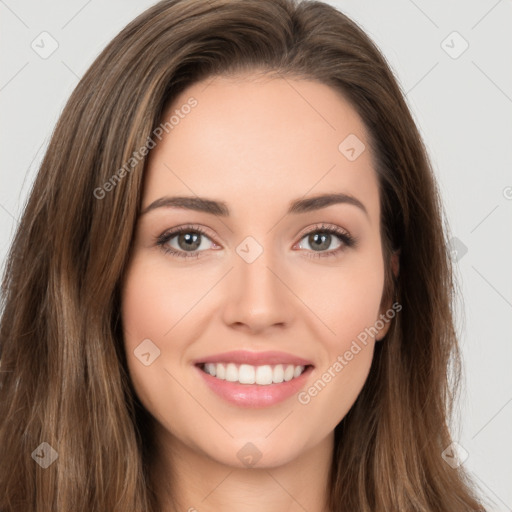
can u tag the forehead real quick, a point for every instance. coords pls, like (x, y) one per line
(251, 141)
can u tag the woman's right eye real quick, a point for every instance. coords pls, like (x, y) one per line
(184, 242)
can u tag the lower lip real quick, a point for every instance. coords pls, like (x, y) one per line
(255, 395)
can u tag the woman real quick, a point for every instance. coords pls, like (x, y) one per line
(230, 287)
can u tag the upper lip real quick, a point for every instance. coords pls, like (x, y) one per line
(255, 358)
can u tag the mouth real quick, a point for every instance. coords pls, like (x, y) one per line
(248, 374)
(254, 380)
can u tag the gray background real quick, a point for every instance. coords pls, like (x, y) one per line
(462, 103)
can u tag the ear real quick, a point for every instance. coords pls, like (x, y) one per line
(385, 316)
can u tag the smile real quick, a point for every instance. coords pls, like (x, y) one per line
(248, 374)
(253, 379)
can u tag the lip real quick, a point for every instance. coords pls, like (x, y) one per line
(255, 358)
(254, 395)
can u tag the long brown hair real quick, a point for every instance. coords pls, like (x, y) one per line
(64, 379)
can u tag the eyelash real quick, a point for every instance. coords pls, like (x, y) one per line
(347, 240)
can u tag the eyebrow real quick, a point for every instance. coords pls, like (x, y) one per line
(220, 208)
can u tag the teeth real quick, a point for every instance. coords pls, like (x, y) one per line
(219, 372)
(210, 368)
(288, 372)
(248, 374)
(263, 375)
(231, 372)
(278, 374)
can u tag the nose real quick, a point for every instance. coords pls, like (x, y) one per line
(257, 297)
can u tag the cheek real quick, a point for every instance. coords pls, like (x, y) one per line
(345, 299)
(163, 306)
(347, 302)
(149, 310)
(155, 300)
(338, 381)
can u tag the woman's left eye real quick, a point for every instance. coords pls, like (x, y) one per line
(320, 240)
(190, 241)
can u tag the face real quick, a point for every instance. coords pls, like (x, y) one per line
(266, 285)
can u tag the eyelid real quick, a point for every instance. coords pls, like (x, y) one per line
(320, 227)
(172, 232)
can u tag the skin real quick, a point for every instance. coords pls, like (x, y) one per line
(257, 144)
